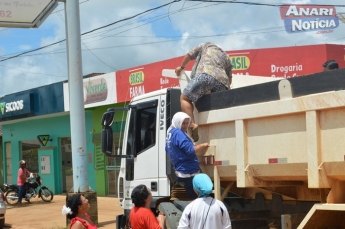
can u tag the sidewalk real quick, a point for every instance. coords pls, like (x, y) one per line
(40, 215)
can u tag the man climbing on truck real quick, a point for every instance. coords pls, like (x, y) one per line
(211, 73)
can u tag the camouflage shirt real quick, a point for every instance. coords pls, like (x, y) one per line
(212, 60)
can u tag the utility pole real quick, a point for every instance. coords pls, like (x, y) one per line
(76, 97)
(76, 107)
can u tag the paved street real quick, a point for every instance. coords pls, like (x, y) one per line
(40, 215)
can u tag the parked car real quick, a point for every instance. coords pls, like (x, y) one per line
(2, 208)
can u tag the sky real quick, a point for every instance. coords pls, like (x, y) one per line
(166, 32)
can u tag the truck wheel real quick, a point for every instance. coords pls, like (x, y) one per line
(2, 223)
(121, 222)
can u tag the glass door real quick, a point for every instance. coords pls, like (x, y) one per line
(67, 171)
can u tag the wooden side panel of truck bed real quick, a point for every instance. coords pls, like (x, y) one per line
(280, 132)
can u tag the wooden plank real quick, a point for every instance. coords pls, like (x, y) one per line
(311, 84)
(324, 216)
(326, 100)
(335, 170)
(316, 177)
(241, 154)
(216, 182)
(227, 173)
(281, 172)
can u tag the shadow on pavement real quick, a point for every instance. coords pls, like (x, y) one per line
(104, 223)
(27, 204)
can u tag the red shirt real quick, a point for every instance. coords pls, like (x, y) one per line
(23, 173)
(84, 222)
(143, 218)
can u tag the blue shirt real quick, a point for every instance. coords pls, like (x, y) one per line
(180, 149)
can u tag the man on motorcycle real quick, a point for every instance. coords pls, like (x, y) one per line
(23, 174)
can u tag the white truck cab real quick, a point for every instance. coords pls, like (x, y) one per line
(143, 154)
(277, 150)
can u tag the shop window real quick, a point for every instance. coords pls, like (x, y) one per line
(67, 169)
(8, 151)
(29, 151)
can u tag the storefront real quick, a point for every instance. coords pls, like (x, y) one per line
(37, 129)
(100, 94)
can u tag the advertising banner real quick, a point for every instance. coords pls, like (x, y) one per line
(98, 90)
(285, 62)
(282, 62)
(15, 105)
(304, 18)
(146, 78)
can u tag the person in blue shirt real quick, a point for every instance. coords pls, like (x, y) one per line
(183, 152)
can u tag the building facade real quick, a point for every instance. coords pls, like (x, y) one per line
(36, 126)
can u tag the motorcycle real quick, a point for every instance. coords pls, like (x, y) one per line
(34, 188)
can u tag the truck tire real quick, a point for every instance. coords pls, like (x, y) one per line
(2, 223)
(121, 222)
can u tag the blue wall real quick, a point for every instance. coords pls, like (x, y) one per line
(40, 111)
(56, 127)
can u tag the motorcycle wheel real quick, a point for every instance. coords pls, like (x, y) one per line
(12, 197)
(46, 195)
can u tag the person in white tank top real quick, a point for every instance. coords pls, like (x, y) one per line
(205, 211)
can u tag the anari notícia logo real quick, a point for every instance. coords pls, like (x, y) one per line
(2, 108)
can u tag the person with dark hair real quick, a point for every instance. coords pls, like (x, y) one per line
(76, 209)
(141, 216)
(211, 73)
(330, 65)
(23, 174)
(206, 211)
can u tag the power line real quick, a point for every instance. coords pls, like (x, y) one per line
(150, 10)
(175, 38)
(257, 3)
(145, 22)
(131, 17)
(93, 30)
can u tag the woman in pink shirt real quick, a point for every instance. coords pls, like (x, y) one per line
(23, 173)
(76, 209)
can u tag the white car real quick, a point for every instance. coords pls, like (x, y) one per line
(2, 209)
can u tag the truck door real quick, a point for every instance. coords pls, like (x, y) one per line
(142, 143)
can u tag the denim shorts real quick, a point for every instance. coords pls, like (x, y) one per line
(201, 85)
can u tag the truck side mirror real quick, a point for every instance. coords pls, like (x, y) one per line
(108, 117)
(107, 140)
(107, 132)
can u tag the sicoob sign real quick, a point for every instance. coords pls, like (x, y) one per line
(303, 18)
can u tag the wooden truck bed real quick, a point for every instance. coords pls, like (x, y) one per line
(284, 136)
